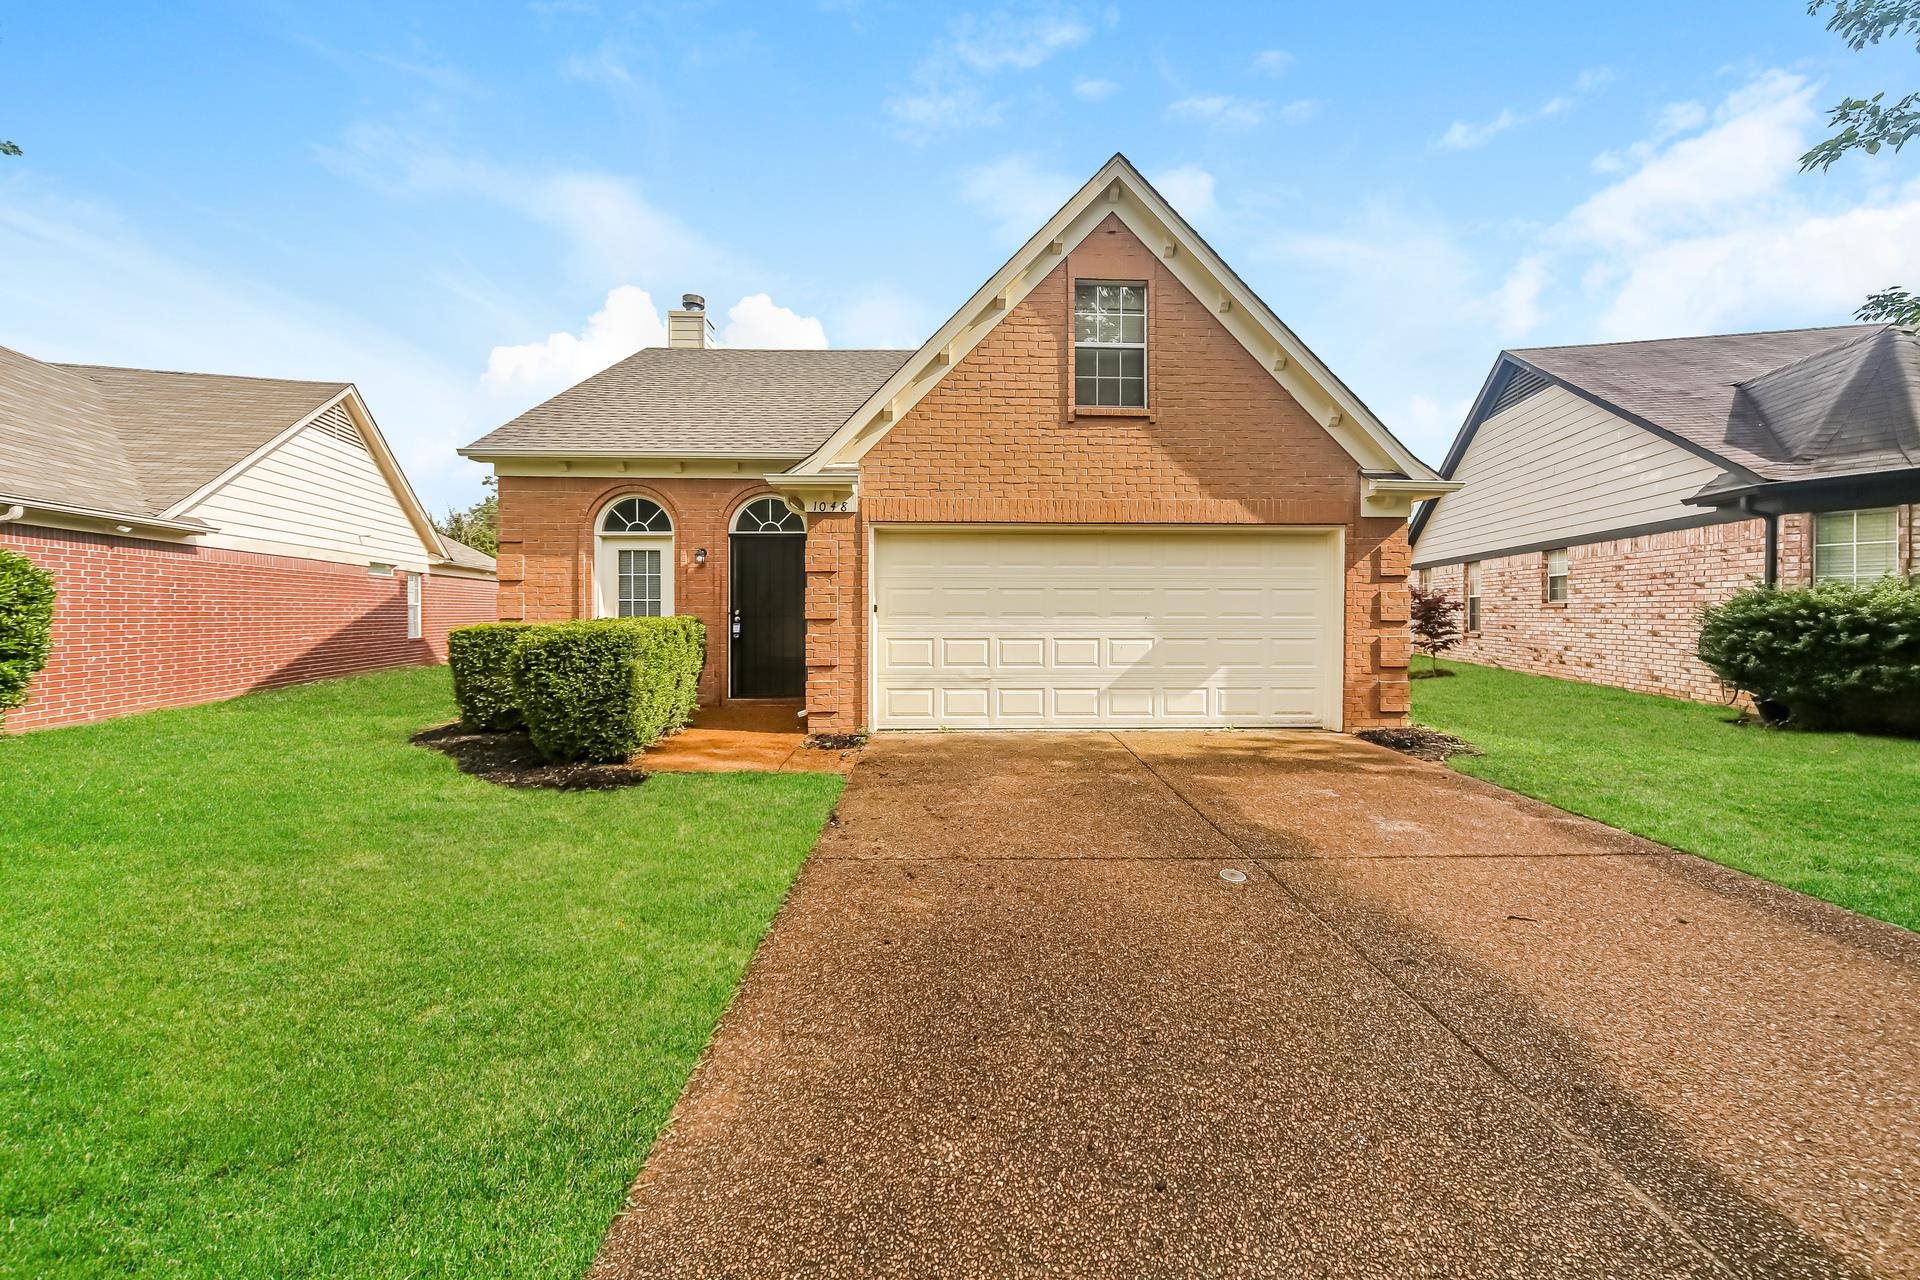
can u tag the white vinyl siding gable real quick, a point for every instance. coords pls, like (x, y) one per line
(317, 493)
(1558, 469)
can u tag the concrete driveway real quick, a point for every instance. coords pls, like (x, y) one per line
(1013, 1021)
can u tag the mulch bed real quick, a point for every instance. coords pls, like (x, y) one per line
(509, 760)
(1421, 744)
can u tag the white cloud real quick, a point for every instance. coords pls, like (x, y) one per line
(1093, 89)
(882, 315)
(1300, 110)
(1273, 62)
(946, 91)
(1219, 109)
(755, 321)
(1516, 303)
(1671, 120)
(1188, 189)
(626, 322)
(1017, 194)
(1001, 41)
(1466, 135)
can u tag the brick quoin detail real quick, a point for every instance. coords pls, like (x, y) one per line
(547, 527)
(139, 624)
(996, 442)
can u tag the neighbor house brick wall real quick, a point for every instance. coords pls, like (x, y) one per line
(141, 624)
(545, 565)
(997, 442)
(1632, 615)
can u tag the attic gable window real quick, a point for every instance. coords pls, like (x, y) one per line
(1109, 345)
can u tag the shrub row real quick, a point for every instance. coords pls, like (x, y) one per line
(586, 690)
(1830, 656)
(26, 625)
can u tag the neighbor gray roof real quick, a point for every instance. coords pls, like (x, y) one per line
(1780, 406)
(134, 441)
(713, 402)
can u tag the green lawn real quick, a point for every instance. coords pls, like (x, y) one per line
(282, 995)
(1834, 815)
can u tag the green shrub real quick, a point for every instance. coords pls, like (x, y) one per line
(1831, 656)
(482, 683)
(608, 688)
(26, 625)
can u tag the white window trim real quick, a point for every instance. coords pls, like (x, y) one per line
(606, 561)
(413, 606)
(1146, 386)
(1854, 542)
(1470, 590)
(1564, 577)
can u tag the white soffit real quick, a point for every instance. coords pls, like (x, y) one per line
(1118, 189)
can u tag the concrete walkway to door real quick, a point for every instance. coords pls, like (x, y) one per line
(1015, 1021)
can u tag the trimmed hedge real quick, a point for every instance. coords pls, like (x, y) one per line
(607, 689)
(26, 625)
(482, 682)
(1830, 656)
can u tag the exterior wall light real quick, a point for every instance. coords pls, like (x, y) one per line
(700, 556)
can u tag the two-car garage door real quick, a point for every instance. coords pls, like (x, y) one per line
(1024, 628)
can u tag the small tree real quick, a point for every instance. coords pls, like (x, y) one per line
(26, 625)
(1435, 623)
(478, 526)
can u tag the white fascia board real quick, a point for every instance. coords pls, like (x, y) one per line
(1119, 189)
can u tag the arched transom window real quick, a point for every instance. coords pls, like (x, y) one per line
(633, 561)
(767, 515)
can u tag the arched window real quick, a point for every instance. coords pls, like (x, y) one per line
(633, 561)
(767, 515)
(635, 515)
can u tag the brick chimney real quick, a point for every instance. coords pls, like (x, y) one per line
(689, 326)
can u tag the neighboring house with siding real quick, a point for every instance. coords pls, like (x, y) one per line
(209, 535)
(1113, 489)
(1613, 491)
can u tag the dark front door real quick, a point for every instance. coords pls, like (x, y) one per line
(769, 616)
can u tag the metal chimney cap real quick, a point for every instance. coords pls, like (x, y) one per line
(692, 302)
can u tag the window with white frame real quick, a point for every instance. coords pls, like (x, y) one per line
(1855, 546)
(1473, 595)
(1426, 579)
(413, 606)
(1557, 576)
(633, 561)
(1109, 345)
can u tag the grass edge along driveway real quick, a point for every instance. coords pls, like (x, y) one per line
(1833, 815)
(282, 995)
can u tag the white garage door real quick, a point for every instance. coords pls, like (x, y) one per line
(1003, 629)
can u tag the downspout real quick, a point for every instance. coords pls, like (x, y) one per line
(12, 513)
(1770, 522)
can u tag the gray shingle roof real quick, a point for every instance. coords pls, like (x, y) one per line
(715, 402)
(1692, 387)
(134, 441)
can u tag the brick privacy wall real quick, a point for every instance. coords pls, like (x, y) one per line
(545, 564)
(996, 441)
(141, 624)
(1632, 616)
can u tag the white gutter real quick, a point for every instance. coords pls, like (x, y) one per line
(12, 513)
(117, 518)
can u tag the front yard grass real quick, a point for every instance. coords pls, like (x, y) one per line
(283, 995)
(1834, 815)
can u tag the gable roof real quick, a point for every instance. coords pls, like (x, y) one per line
(142, 446)
(699, 402)
(1775, 407)
(1119, 189)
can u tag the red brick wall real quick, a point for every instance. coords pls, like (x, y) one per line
(1632, 614)
(996, 441)
(140, 625)
(547, 544)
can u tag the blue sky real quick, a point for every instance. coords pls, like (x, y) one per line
(465, 210)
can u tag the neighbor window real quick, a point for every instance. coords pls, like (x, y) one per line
(1426, 579)
(633, 561)
(1110, 345)
(1557, 576)
(1473, 595)
(413, 606)
(1855, 546)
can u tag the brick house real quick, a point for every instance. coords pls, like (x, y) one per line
(1613, 491)
(209, 535)
(1112, 490)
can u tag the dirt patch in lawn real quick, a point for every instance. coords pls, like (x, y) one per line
(509, 760)
(1421, 744)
